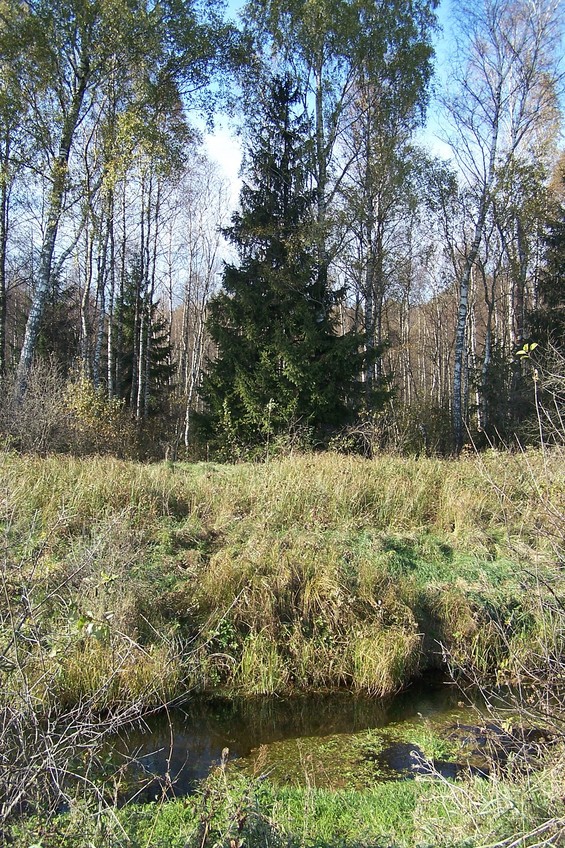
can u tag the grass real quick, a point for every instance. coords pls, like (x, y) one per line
(309, 571)
(236, 811)
(126, 584)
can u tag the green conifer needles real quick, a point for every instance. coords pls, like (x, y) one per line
(280, 363)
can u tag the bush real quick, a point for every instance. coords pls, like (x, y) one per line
(64, 415)
(38, 422)
(98, 424)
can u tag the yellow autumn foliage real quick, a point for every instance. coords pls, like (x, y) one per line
(100, 424)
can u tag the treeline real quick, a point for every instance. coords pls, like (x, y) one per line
(376, 296)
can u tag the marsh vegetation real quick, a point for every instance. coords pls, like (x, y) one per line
(126, 588)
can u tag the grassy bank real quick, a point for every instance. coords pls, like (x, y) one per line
(126, 586)
(142, 582)
(235, 813)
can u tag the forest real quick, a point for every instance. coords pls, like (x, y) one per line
(364, 295)
(291, 462)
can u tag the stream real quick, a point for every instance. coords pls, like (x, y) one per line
(327, 740)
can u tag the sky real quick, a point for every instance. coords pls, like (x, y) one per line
(222, 145)
(224, 148)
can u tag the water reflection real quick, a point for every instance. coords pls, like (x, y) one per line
(185, 743)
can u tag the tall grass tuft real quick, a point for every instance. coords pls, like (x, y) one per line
(384, 660)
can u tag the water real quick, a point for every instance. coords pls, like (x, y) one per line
(329, 739)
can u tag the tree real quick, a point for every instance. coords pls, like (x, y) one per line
(279, 360)
(70, 50)
(144, 352)
(201, 211)
(349, 57)
(503, 110)
(548, 319)
(59, 329)
(388, 103)
(68, 47)
(12, 116)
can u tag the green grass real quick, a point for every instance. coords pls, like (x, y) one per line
(236, 811)
(303, 572)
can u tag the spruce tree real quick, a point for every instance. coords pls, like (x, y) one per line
(279, 361)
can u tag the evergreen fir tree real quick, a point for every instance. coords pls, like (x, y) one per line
(279, 360)
(137, 314)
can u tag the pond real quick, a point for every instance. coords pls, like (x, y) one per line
(330, 739)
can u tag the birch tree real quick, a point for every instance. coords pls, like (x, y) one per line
(503, 100)
(71, 49)
(68, 46)
(13, 150)
(344, 53)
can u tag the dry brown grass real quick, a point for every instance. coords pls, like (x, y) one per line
(322, 570)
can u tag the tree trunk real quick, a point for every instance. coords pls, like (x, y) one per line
(120, 324)
(460, 333)
(85, 305)
(321, 186)
(101, 279)
(3, 246)
(195, 366)
(111, 301)
(470, 259)
(148, 347)
(54, 210)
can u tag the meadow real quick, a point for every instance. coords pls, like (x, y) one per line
(129, 587)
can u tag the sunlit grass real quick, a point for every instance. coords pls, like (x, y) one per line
(317, 570)
(407, 814)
